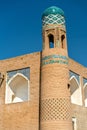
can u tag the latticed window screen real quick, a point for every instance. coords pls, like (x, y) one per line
(55, 109)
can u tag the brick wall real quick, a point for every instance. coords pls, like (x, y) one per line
(23, 115)
(79, 112)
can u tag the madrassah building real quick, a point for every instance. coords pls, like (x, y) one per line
(44, 90)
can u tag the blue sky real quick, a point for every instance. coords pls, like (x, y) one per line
(21, 27)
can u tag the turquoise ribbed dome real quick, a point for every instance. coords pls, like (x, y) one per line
(53, 10)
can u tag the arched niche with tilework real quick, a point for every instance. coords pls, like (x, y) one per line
(85, 94)
(17, 89)
(75, 90)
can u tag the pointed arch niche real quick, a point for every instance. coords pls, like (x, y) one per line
(51, 40)
(75, 90)
(63, 42)
(85, 94)
(17, 89)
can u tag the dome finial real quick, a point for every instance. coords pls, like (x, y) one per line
(53, 10)
(53, 15)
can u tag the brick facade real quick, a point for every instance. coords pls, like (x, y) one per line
(57, 84)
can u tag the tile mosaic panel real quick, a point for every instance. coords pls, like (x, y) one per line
(51, 59)
(53, 19)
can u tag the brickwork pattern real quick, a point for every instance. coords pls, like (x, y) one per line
(23, 115)
(55, 109)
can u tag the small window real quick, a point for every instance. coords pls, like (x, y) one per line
(51, 41)
(63, 41)
(74, 123)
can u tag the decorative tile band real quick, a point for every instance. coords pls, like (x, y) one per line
(51, 59)
(54, 61)
(53, 19)
(55, 56)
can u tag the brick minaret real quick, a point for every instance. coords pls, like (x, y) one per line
(55, 94)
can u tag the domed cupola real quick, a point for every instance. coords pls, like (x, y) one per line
(53, 10)
(53, 15)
